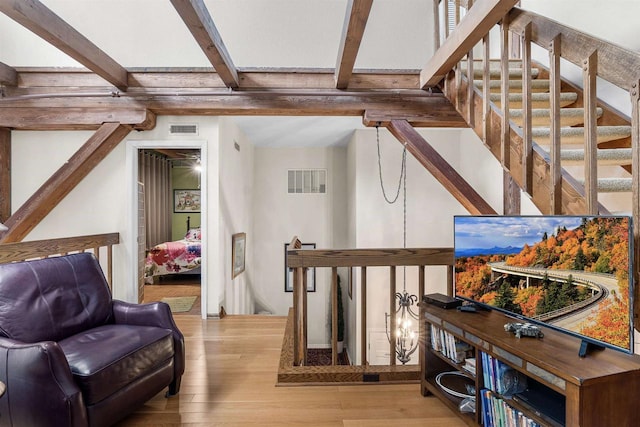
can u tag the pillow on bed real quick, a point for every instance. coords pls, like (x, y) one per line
(193, 234)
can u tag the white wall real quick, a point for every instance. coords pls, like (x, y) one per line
(236, 215)
(430, 210)
(278, 216)
(95, 206)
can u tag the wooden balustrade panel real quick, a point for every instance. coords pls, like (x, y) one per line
(19, 251)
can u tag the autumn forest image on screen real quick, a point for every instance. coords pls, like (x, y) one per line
(569, 272)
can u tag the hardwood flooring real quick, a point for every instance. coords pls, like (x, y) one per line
(176, 286)
(230, 379)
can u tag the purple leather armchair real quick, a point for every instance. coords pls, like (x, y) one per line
(72, 356)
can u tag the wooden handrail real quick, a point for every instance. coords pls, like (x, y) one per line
(369, 257)
(576, 46)
(20, 251)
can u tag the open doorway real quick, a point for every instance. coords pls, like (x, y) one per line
(177, 214)
(170, 219)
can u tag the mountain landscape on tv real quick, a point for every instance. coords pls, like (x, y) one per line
(569, 272)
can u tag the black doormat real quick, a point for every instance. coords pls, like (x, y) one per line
(322, 357)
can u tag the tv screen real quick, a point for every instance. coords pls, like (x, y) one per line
(572, 273)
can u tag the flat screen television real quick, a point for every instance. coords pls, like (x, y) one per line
(571, 273)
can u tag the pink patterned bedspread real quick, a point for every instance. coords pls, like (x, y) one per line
(172, 257)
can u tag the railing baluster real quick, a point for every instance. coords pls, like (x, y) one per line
(470, 91)
(505, 129)
(363, 314)
(334, 315)
(436, 24)
(589, 74)
(446, 18)
(393, 322)
(556, 167)
(527, 149)
(486, 90)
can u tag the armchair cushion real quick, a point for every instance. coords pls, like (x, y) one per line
(53, 298)
(107, 358)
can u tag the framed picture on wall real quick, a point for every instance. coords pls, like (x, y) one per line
(238, 250)
(185, 201)
(288, 272)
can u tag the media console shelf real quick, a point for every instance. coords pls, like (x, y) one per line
(601, 389)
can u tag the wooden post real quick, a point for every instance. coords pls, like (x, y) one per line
(5, 174)
(393, 322)
(470, 77)
(363, 315)
(334, 315)
(556, 167)
(420, 282)
(527, 140)
(505, 128)
(589, 74)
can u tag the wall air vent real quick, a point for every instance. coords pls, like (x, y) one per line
(183, 129)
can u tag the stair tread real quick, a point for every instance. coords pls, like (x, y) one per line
(539, 112)
(613, 155)
(495, 73)
(575, 135)
(538, 96)
(612, 185)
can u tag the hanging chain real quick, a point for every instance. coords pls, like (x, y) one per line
(402, 182)
(402, 171)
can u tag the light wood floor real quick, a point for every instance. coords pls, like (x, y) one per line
(230, 379)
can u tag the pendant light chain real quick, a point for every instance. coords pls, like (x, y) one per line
(402, 182)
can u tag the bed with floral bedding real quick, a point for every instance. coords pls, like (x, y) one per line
(179, 256)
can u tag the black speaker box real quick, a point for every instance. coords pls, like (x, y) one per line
(442, 301)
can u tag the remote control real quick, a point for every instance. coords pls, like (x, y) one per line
(468, 308)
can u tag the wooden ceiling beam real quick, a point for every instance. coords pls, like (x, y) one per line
(195, 15)
(434, 117)
(446, 174)
(270, 104)
(69, 118)
(65, 179)
(354, 24)
(8, 75)
(473, 27)
(39, 19)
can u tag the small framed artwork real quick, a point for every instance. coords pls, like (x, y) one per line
(288, 272)
(186, 201)
(238, 250)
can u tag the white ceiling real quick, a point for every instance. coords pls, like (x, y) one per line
(278, 131)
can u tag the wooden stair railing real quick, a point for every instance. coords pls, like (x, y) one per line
(21, 251)
(301, 259)
(540, 126)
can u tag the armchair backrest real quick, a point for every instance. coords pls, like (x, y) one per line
(53, 298)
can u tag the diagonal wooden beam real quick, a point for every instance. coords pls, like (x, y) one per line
(475, 25)
(355, 22)
(40, 20)
(439, 168)
(63, 181)
(8, 75)
(195, 15)
(5, 174)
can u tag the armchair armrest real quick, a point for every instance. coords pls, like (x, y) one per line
(152, 314)
(34, 374)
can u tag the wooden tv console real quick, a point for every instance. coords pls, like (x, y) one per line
(601, 389)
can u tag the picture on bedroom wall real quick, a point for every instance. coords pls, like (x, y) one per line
(238, 249)
(185, 201)
(288, 272)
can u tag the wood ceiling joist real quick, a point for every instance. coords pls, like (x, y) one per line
(443, 117)
(475, 24)
(354, 24)
(439, 168)
(195, 15)
(65, 179)
(270, 104)
(8, 75)
(70, 118)
(40, 20)
(5, 174)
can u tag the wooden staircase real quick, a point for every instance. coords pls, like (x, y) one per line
(572, 130)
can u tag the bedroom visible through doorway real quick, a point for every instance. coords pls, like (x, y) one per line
(170, 227)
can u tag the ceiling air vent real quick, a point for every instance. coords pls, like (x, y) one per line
(183, 129)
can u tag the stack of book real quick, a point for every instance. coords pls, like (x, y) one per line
(496, 412)
(452, 348)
